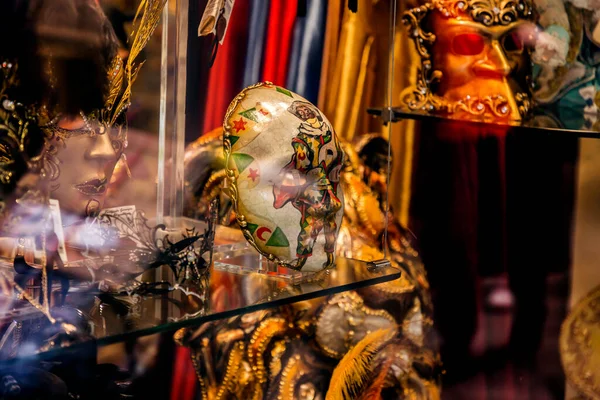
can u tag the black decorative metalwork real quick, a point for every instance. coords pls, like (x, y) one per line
(188, 258)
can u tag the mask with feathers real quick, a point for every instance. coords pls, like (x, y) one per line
(64, 101)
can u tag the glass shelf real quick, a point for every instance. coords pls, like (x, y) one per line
(543, 121)
(234, 290)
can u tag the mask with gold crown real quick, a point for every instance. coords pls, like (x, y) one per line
(475, 58)
(62, 109)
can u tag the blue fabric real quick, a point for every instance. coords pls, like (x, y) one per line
(305, 69)
(259, 13)
(574, 98)
(576, 108)
(294, 61)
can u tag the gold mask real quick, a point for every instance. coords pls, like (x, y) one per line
(474, 59)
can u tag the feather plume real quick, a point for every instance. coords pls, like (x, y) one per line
(116, 76)
(354, 369)
(373, 392)
(123, 75)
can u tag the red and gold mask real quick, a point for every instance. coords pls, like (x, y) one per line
(474, 58)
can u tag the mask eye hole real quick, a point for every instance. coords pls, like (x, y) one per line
(71, 123)
(468, 44)
(512, 42)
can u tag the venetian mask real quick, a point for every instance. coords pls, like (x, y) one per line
(475, 60)
(283, 165)
(76, 153)
(83, 153)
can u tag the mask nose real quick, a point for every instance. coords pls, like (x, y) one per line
(101, 149)
(495, 64)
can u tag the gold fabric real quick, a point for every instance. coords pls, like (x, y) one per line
(332, 36)
(352, 63)
(402, 136)
(355, 77)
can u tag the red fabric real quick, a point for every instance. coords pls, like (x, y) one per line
(184, 376)
(225, 78)
(278, 43)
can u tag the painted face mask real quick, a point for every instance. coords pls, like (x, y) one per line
(82, 153)
(475, 61)
(283, 165)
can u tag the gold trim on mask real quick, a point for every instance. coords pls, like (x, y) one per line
(486, 12)
(15, 120)
(231, 188)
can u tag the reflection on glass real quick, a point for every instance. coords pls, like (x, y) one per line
(65, 90)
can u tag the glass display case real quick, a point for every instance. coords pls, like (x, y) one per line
(299, 200)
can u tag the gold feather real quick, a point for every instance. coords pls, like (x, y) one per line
(373, 392)
(115, 76)
(122, 77)
(353, 370)
(150, 11)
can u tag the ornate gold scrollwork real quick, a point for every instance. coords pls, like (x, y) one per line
(487, 12)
